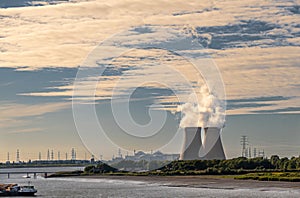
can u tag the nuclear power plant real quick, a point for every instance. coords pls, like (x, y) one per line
(192, 143)
(212, 147)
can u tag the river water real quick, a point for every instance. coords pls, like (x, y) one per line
(82, 187)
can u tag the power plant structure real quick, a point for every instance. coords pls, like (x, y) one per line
(212, 147)
(192, 143)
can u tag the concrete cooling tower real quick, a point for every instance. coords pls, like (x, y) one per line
(192, 143)
(212, 147)
(212, 144)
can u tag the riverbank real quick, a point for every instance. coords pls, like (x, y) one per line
(40, 165)
(156, 186)
(193, 168)
(201, 181)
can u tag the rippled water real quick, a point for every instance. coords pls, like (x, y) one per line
(82, 187)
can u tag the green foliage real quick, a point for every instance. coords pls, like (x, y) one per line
(99, 168)
(89, 168)
(104, 168)
(66, 174)
(271, 176)
(129, 165)
(235, 166)
(256, 168)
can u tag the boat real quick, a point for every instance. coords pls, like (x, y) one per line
(27, 191)
(16, 190)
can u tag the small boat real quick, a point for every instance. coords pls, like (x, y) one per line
(26, 176)
(27, 191)
(16, 190)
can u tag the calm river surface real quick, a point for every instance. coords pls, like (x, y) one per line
(82, 187)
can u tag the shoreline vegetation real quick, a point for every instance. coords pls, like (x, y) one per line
(273, 169)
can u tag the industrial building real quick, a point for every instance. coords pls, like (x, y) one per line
(194, 149)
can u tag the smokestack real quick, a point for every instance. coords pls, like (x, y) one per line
(192, 143)
(212, 144)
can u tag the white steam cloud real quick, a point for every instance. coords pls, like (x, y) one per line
(203, 110)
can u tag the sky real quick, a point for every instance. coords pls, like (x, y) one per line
(151, 53)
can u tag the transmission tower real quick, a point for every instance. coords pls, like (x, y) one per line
(244, 143)
(8, 156)
(261, 153)
(18, 156)
(40, 156)
(249, 152)
(246, 152)
(119, 153)
(73, 154)
(58, 155)
(52, 155)
(48, 155)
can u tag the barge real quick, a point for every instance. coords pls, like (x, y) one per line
(16, 190)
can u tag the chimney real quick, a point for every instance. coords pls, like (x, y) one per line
(192, 143)
(212, 144)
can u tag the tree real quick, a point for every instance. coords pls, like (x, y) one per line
(275, 161)
(292, 164)
(89, 168)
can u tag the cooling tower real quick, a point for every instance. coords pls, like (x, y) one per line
(192, 143)
(212, 144)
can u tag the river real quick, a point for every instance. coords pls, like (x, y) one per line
(88, 187)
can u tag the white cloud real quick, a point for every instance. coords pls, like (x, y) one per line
(63, 35)
(28, 130)
(14, 118)
(13, 110)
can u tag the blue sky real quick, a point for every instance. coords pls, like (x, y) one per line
(254, 45)
(55, 128)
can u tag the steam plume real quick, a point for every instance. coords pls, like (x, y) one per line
(203, 110)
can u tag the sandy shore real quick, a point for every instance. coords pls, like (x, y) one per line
(212, 182)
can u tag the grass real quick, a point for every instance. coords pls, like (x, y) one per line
(271, 176)
(66, 174)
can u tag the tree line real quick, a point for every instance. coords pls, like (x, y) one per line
(238, 165)
(235, 165)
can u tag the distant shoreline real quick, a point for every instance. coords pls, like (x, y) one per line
(201, 181)
(44, 166)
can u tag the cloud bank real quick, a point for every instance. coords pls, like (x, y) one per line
(255, 43)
